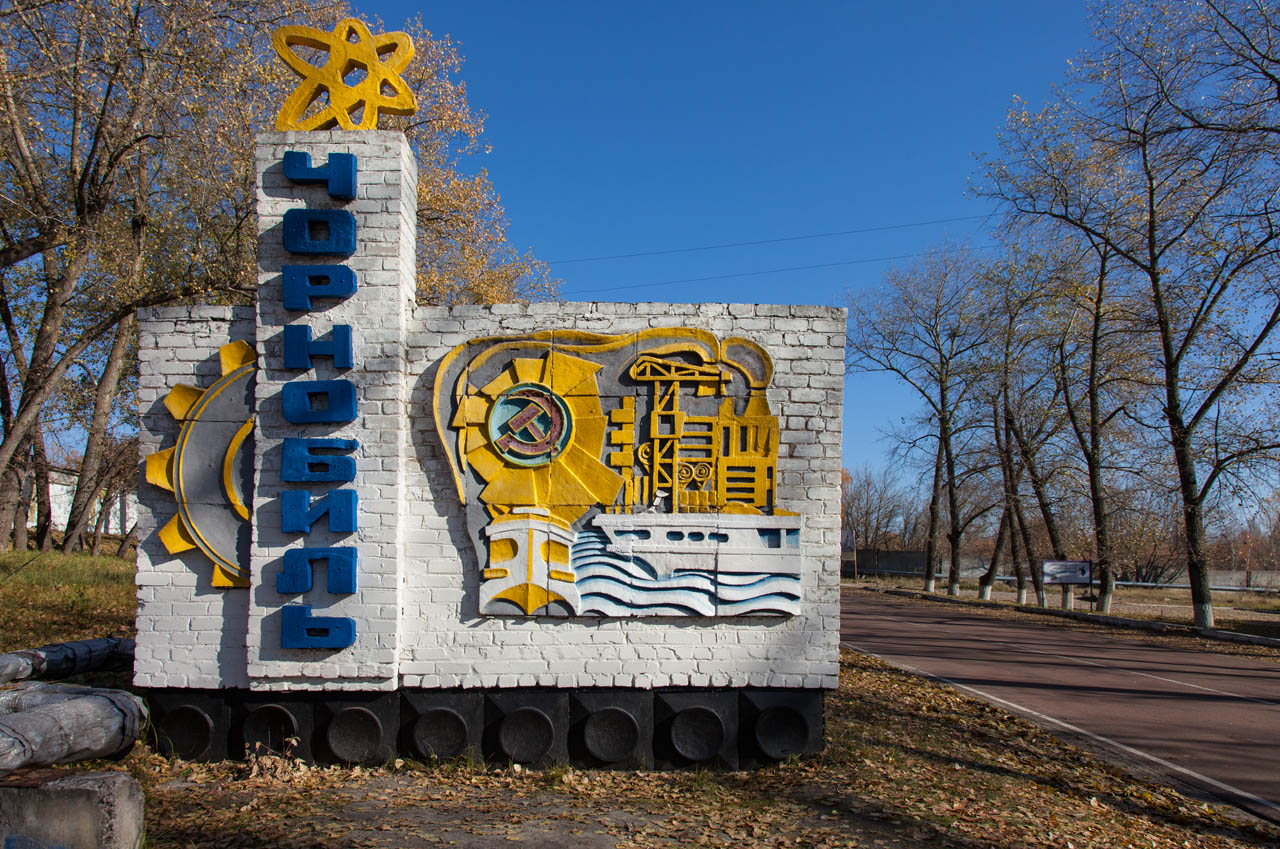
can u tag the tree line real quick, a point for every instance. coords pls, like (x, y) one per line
(127, 181)
(1105, 378)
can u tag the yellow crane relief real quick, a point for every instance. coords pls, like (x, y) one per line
(702, 464)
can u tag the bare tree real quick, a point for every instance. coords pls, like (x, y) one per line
(127, 180)
(1188, 215)
(872, 510)
(925, 324)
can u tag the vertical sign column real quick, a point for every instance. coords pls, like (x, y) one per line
(336, 229)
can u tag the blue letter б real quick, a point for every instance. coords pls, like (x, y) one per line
(299, 465)
(300, 630)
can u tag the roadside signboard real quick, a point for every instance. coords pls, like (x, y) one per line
(1064, 572)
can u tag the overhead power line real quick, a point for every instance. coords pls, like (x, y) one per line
(768, 241)
(769, 271)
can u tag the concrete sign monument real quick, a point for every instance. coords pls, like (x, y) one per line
(599, 533)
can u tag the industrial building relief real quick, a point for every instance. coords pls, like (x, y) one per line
(620, 475)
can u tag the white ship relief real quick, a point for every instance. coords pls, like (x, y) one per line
(704, 564)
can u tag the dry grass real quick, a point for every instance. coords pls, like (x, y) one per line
(52, 597)
(909, 763)
(1247, 613)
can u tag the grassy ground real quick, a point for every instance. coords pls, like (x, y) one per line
(1247, 613)
(1136, 595)
(909, 763)
(51, 597)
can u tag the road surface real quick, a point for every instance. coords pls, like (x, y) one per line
(1207, 723)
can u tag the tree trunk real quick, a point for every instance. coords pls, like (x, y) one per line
(931, 543)
(1038, 488)
(954, 527)
(22, 512)
(1193, 529)
(131, 538)
(44, 503)
(1090, 440)
(1019, 570)
(11, 481)
(6, 414)
(1101, 540)
(1010, 479)
(1033, 562)
(89, 480)
(10, 484)
(104, 512)
(993, 571)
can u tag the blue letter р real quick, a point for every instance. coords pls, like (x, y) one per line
(303, 282)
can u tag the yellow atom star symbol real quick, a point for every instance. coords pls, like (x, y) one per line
(360, 77)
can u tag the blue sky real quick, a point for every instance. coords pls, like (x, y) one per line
(634, 128)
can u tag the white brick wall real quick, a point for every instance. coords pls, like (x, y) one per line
(385, 211)
(416, 605)
(446, 644)
(189, 634)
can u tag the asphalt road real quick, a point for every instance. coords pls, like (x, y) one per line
(1207, 723)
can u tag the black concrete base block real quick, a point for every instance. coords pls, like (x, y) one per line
(189, 724)
(695, 728)
(611, 729)
(274, 723)
(775, 724)
(591, 728)
(438, 724)
(528, 727)
(357, 728)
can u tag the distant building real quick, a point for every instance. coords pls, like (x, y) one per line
(123, 509)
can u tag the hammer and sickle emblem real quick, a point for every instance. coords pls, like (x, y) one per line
(529, 425)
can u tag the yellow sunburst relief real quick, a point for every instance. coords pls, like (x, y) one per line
(209, 468)
(620, 475)
(358, 79)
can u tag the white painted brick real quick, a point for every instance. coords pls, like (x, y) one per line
(417, 600)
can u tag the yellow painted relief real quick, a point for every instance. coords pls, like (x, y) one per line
(549, 430)
(359, 78)
(205, 468)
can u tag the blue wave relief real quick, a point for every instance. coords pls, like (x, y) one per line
(610, 584)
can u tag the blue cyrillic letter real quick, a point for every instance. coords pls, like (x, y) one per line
(338, 174)
(319, 401)
(298, 565)
(299, 347)
(298, 514)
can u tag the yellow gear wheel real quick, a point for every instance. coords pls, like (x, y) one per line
(207, 468)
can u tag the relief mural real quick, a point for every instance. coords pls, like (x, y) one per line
(620, 475)
(209, 469)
